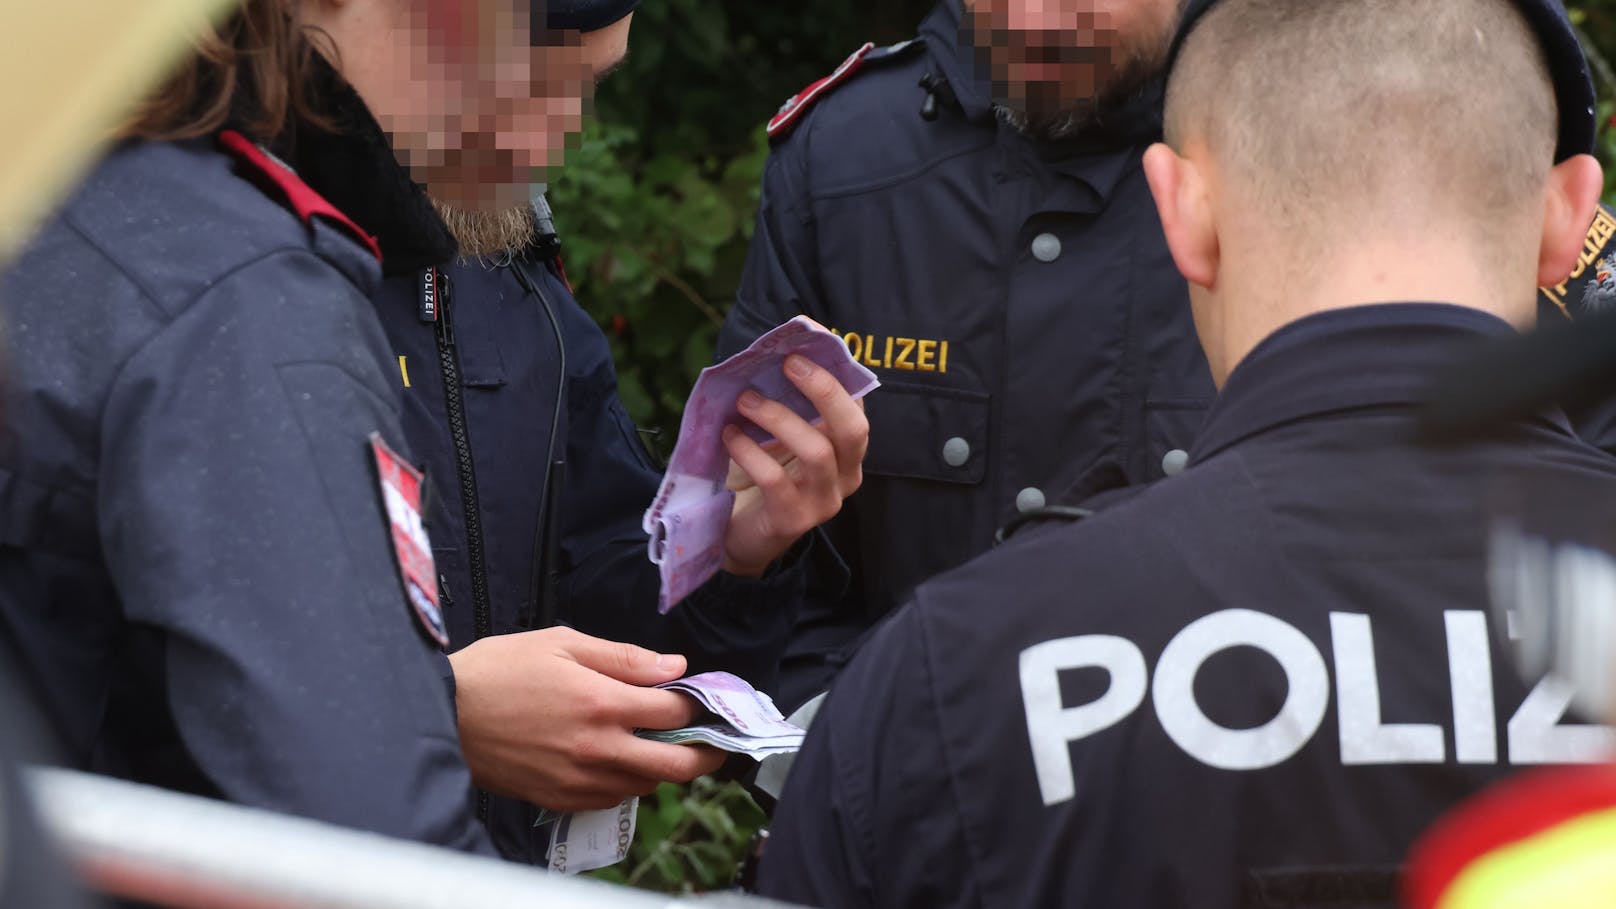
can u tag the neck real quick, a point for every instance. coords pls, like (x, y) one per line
(1253, 299)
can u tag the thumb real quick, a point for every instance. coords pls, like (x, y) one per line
(624, 662)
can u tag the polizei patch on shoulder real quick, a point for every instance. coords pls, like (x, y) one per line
(1591, 286)
(400, 486)
(790, 112)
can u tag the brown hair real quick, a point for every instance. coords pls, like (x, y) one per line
(251, 72)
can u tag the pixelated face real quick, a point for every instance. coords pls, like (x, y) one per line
(473, 107)
(1048, 57)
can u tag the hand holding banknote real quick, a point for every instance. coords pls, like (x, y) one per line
(785, 413)
(799, 482)
(550, 717)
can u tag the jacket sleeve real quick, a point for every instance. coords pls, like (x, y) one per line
(778, 280)
(241, 518)
(608, 585)
(31, 873)
(868, 815)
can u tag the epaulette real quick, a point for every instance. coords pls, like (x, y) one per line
(294, 193)
(1591, 287)
(790, 113)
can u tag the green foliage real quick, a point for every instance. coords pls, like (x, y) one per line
(1596, 19)
(655, 206)
(689, 839)
(656, 251)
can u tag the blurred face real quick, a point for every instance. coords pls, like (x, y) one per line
(569, 64)
(472, 107)
(1057, 64)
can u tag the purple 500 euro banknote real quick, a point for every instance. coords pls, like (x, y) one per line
(690, 515)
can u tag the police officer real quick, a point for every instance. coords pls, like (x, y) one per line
(982, 237)
(510, 402)
(1034, 344)
(1256, 682)
(212, 571)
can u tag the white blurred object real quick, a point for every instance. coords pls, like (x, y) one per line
(159, 847)
(1558, 602)
(71, 70)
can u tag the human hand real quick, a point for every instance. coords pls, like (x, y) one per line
(800, 480)
(549, 717)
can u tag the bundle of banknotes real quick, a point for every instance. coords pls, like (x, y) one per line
(745, 722)
(690, 514)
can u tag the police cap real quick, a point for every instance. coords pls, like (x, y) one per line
(1573, 85)
(582, 15)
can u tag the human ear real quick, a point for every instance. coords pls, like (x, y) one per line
(1569, 203)
(1180, 191)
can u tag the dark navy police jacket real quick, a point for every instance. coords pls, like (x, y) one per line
(1016, 298)
(537, 477)
(197, 580)
(510, 402)
(1252, 684)
(509, 391)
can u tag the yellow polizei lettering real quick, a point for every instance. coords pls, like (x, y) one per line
(927, 361)
(906, 346)
(894, 352)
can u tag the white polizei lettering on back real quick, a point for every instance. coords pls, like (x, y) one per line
(1051, 727)
(1240, 749)
(1364, 738)
(1536, 736)
(1470, 675)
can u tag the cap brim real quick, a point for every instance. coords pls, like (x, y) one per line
(582, 15)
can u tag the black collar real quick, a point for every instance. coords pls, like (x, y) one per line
(355, 170)
(1346, 359)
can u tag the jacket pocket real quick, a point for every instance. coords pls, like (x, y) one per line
(928, 433)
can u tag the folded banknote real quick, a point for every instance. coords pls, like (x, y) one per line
(690, 514)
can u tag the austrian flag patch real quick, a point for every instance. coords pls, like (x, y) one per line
(400, 486)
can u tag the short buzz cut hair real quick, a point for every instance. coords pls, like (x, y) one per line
(1334, 112)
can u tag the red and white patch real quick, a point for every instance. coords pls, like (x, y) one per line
(797, 104)
(401, 493)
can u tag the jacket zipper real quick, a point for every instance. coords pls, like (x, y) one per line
(454, 396)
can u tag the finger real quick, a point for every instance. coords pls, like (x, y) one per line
(624, 662)
(669, 763)
(653, 708)
(813, 450)
(761, 470)
(844, 419)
